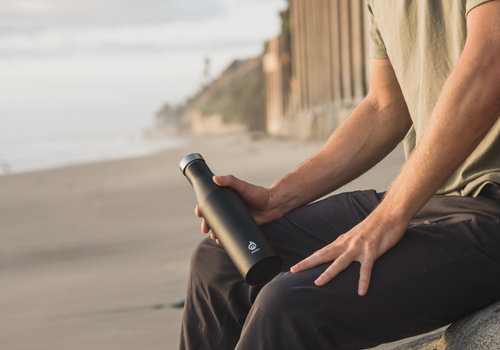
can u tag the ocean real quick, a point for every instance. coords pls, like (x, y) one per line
(26, 151)
(81, 81)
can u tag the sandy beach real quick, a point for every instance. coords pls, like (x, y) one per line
(92, 255)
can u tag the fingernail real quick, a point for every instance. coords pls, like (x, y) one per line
(294, 269)
(318, 281)
(361, 291)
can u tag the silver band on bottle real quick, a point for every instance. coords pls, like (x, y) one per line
(189, 159)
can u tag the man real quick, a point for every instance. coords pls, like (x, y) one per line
(365, 268)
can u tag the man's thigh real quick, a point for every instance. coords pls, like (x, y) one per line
(446, 266)
(309, 228)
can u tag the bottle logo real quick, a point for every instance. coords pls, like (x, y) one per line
(252, 246)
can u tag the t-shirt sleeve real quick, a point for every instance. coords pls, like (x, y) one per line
(470, 4)
(377, 46)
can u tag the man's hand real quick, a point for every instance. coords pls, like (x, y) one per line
(364, 243)
(256, 198)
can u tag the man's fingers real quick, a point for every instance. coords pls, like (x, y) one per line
(365, 275)
(232, 181)
(342, 256)
(339, 265)
(226, 180)
(212, 236)
(321, 256)
(204, 226)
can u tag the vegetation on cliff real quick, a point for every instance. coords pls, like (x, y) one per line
(237, 96)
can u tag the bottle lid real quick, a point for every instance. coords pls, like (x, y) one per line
(189, 159)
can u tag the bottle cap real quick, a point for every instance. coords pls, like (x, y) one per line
(189, 159)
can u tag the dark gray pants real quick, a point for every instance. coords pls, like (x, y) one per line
(446, 266)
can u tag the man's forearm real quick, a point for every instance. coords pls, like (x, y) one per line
(366, 137)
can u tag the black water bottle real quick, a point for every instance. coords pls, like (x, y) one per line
(229, 219)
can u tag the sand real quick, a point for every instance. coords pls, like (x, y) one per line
(91, 255)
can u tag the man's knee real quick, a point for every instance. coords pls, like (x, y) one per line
(291, 296)
(211, 264)
(200, 253)
(280, 298)
(205, 256)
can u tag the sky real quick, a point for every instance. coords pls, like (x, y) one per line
(70, 67)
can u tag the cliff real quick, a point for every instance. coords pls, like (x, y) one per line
(233, 101)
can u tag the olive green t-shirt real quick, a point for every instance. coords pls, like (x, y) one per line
(423, 39)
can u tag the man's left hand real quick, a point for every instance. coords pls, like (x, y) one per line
(364, 243)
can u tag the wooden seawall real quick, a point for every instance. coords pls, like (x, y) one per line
(315, 81)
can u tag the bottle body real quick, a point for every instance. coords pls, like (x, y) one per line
(228, 217)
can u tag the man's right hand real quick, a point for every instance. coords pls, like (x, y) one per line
(256, 198)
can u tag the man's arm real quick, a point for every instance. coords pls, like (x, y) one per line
(467, 108)
(373, 129)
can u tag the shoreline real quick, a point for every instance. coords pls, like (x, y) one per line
(42, 155)
(93, 254)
